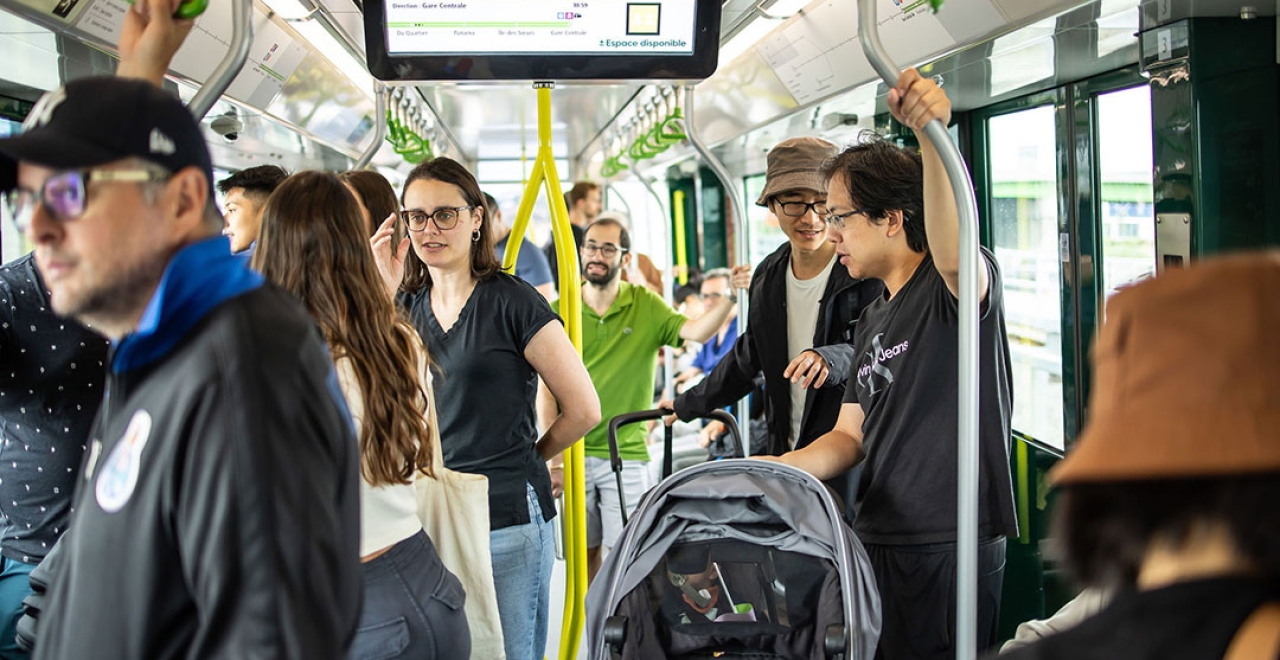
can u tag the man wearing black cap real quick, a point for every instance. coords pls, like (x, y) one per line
(803, 310)
(189, 539)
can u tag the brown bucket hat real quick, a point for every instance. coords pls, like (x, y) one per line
(1186, 377)
(796, 164)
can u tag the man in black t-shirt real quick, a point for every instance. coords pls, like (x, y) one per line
(893, 218)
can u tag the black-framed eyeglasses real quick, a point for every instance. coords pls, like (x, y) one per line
(799, 209)
(65, 194)
(836, 220)
(445, 218)
(609, 250)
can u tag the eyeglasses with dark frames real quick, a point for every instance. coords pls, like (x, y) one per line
(445, 218)
(609, 250)
(65, 194)
(799, 209)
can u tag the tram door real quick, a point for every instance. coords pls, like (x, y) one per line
(1065, 192)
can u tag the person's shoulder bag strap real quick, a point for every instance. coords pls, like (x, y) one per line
(1258, 637)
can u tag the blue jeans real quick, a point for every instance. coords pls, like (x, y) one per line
(412, 606)
(522, 559)
(14, 586)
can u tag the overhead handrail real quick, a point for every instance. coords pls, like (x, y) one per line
(967, 300)
(738, 223)
(232, 62)
(575, 511)
(379, 127)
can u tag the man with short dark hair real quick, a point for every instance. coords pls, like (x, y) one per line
(892, 216)
(189, 539)
(623, 326)
(531, 265)
(245, 195)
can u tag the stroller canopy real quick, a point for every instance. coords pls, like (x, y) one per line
(761, 503)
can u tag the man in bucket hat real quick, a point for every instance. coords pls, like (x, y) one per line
(187, 536)
(803, 309)
(1169, 496)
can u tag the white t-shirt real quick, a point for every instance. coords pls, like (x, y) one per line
(388, 514)
(803, 297)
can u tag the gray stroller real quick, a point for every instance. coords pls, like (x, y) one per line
(735, 559)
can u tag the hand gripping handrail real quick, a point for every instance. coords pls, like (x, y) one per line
(967, 209)
(740, 241)
(379, 127)
(575, 511)
(232, 62)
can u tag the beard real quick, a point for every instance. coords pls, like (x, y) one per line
(609, 275)
(102, 302)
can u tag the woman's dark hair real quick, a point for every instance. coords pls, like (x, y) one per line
(883, 177)
(1106, 528)
(378, 196)
(313, 245)
(484, 262)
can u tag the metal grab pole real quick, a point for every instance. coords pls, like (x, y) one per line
(232, 62)
(379, 127)
(739, 241)
(967, 477)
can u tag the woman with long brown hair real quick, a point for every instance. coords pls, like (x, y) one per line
(312, 244)
(491, 337)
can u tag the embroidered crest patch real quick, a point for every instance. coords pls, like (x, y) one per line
(119, 474)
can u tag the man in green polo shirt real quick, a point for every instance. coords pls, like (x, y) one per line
(623, 326)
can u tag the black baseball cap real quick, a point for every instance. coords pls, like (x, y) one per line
(92, 121)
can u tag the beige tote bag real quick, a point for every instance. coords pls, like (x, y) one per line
(454, 508)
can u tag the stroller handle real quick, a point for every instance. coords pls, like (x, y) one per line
(615, 460)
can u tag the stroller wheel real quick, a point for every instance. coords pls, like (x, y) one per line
(836, 642)
(615, 632)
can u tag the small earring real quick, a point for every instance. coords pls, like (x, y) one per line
(475, 236)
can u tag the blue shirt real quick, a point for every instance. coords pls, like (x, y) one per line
(714, 350)
(531, 265)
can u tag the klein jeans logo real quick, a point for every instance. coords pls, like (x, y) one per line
(878, 355)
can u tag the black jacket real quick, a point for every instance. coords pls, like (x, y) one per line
(763, 348)
(218, 512)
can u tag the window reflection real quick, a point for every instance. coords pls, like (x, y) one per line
(1126, 202)
(1024, 221)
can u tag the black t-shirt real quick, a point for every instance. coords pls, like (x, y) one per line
(485, 391)
(904, 374)
(1185, 621)
(51, 374)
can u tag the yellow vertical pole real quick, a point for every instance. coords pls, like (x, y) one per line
(677, 216)
(575, 514)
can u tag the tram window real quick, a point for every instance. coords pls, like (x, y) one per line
(1024, 220)
(1127, 212)
(764, 232)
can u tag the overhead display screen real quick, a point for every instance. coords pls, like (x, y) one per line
(541, 39)
(540, 27)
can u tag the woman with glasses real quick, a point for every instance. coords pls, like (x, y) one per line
(313, 245)
(491, 336)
